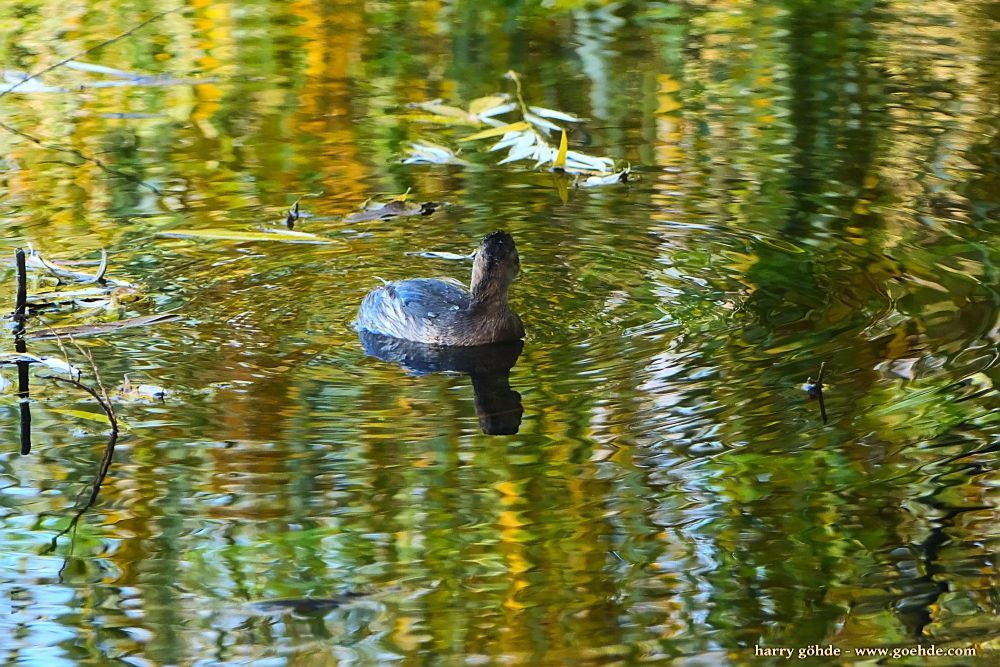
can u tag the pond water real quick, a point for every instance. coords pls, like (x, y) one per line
(813, 184)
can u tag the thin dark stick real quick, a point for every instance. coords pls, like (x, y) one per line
(24, 403)
(819, 391)
(23, 378)
(106, 42)
(293, 215)
(21, 297)
(102, 473)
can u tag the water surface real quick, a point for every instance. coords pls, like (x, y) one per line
(817, 184)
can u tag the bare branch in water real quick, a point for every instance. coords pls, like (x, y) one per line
(104, 401)
(105, 465)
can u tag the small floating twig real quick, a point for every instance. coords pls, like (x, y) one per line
(65, 273)
(815, 390)
(293, 215)
(433, 254)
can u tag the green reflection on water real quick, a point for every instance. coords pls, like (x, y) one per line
(818, 183)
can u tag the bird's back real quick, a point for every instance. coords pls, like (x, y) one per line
(422, 309)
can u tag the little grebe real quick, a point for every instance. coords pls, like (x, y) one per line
(443, 313)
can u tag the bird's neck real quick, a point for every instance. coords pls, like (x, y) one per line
(489, 294)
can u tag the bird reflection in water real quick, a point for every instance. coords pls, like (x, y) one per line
(497, 405)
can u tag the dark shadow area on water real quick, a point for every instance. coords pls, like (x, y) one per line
(497, 405)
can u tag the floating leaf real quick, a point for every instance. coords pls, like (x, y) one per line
(524, 148)
(512, 138)
(104, 327)
(435, 107)
(538, 121)
(611, 179)
(61, 366)
(576, 161)
(480, 111)
(383, 211)
(496, 111)
(68, 296)
(52, 363)
(391, 209)
(524, 139)
(543, 154)
(401, 197)
(560, 161)
(429, 153)
(562, 186)
(140, 392)
(18, 357)
(101, 69)
(519, 126)
(488, 103)
(528, 144)
(283, 235)
(556, 115)
(81, 414)
(433, 254)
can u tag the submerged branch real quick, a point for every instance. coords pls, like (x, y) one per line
(102, 471)
(104, 401)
